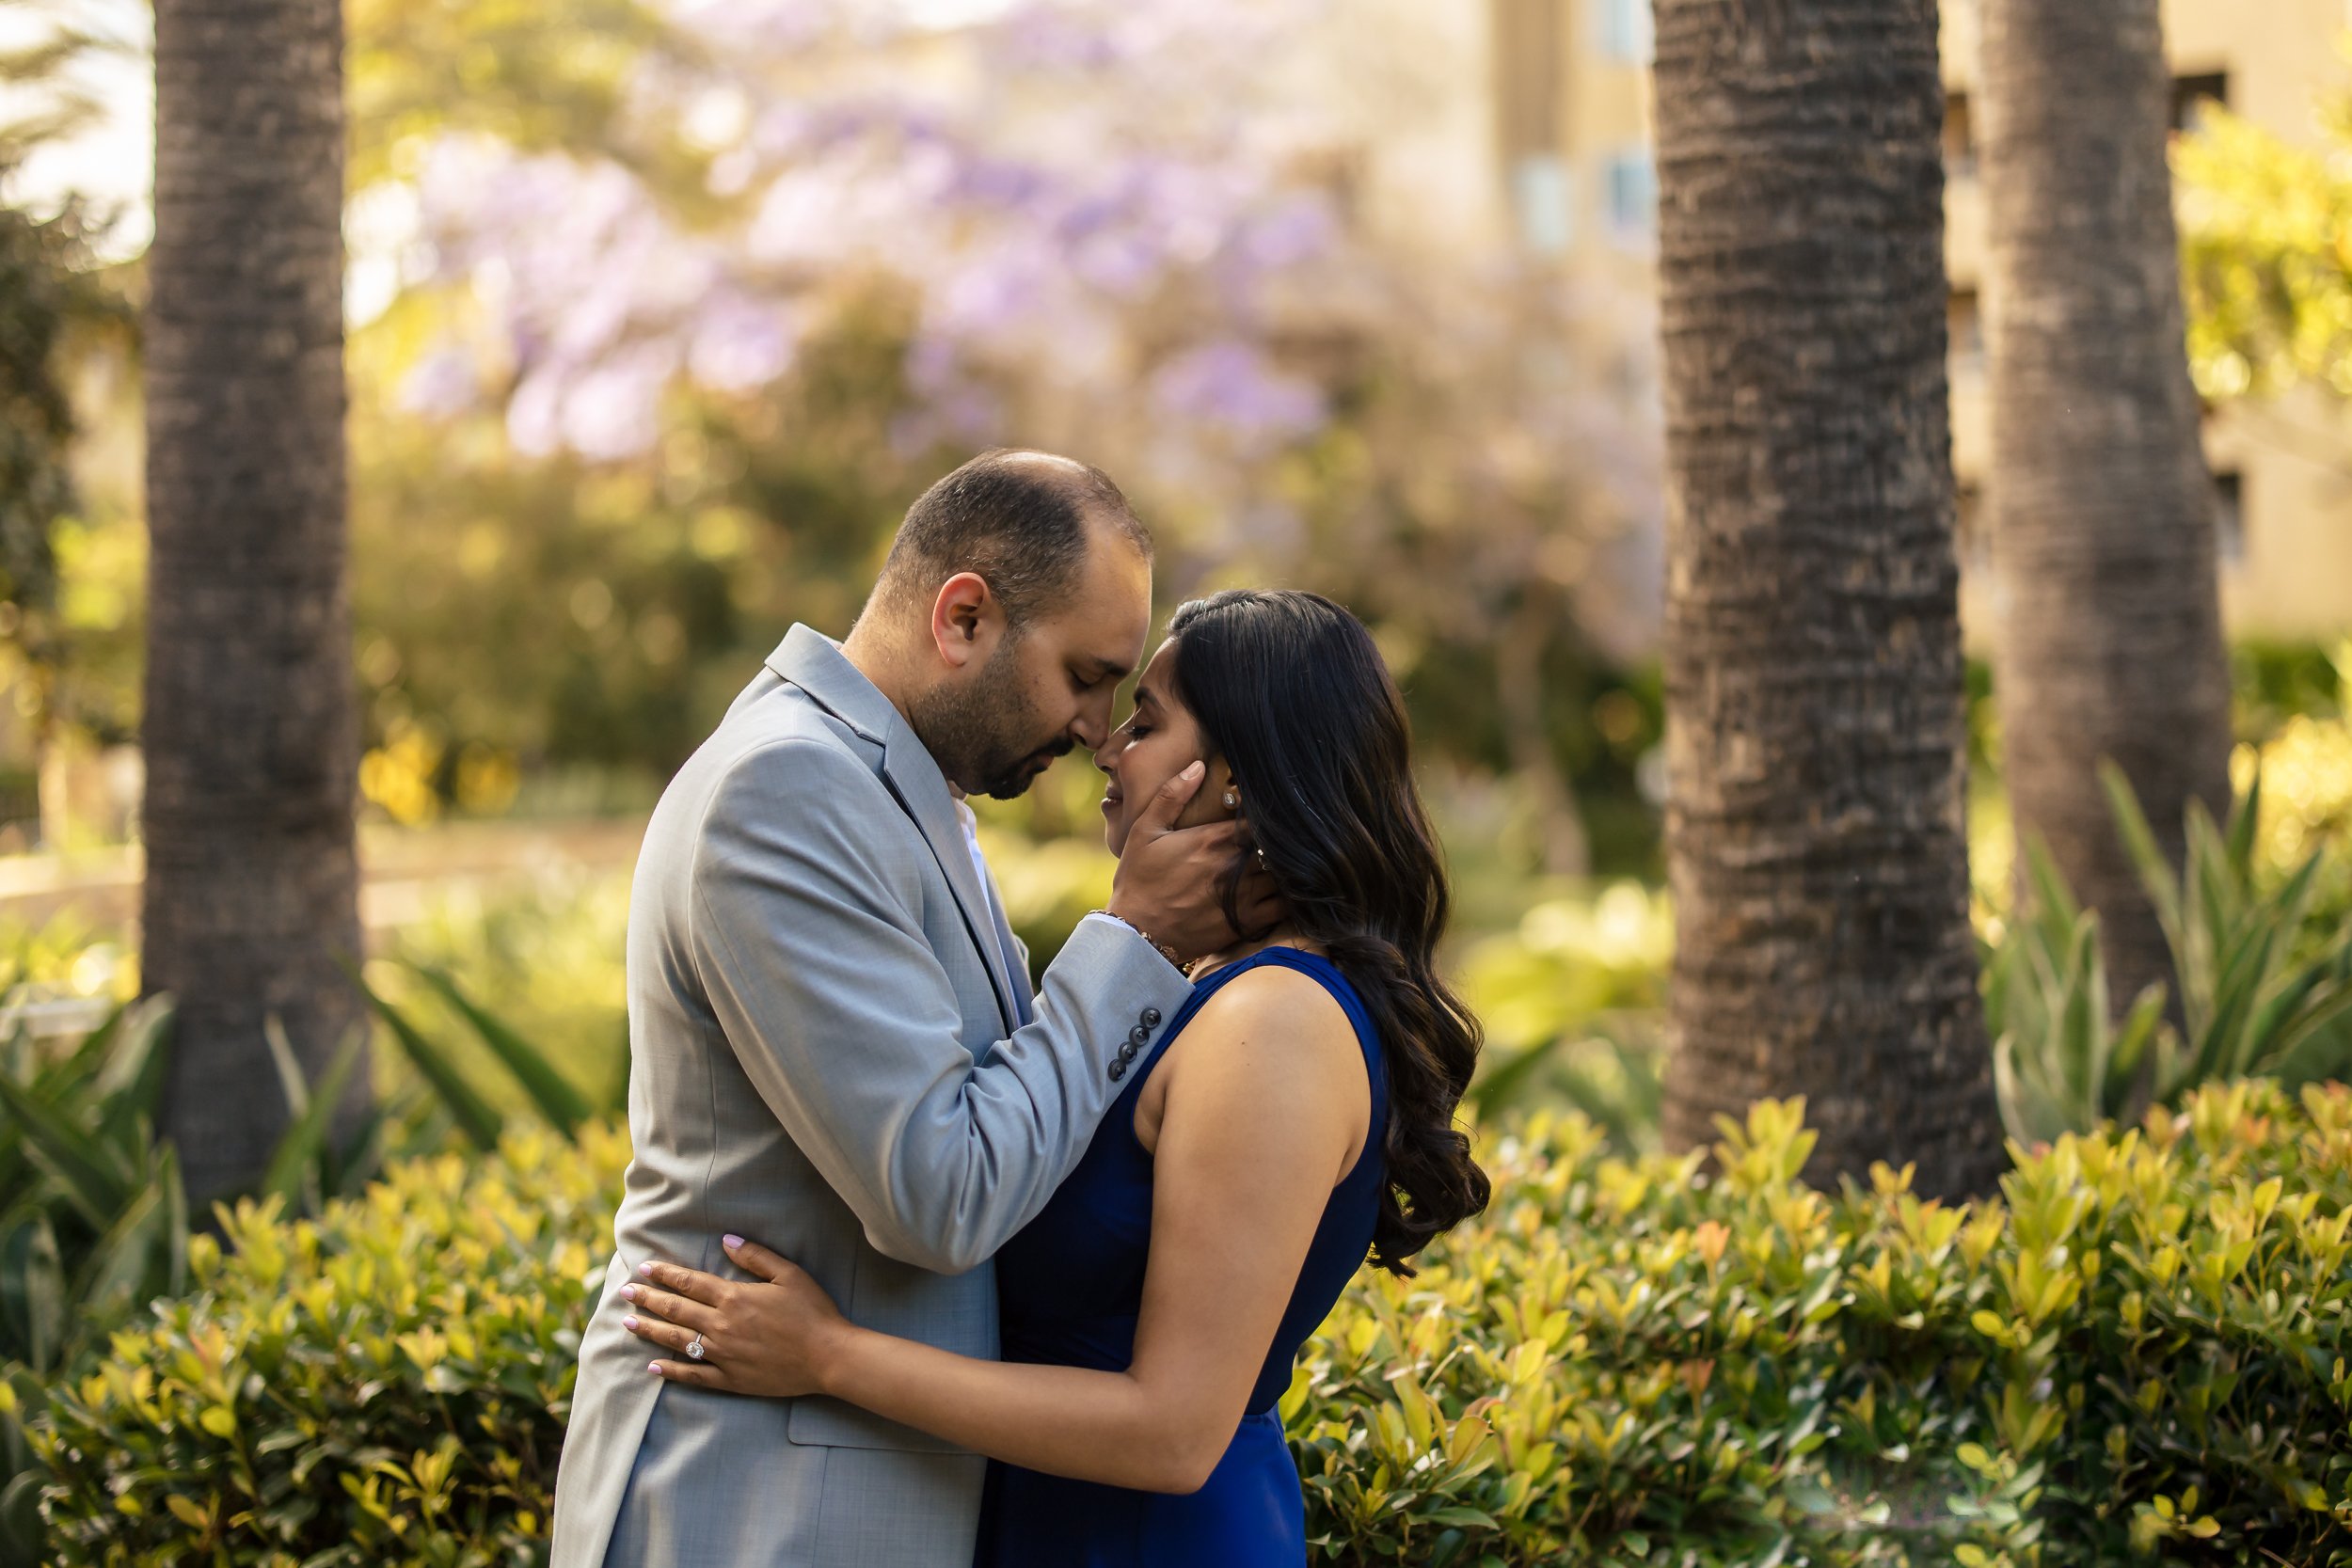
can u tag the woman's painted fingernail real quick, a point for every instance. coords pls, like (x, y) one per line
(653, 1367)
(629, 1292)
(630, 1324)
(645, 1269)
(731, 1241)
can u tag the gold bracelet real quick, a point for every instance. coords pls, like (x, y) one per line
(1163, 949)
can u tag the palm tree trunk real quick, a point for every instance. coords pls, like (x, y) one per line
(2103, 543)
(250, 735)
(1815, 832)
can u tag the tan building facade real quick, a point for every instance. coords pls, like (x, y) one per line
(1571, 85)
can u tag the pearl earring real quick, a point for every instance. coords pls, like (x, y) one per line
(1231, 801)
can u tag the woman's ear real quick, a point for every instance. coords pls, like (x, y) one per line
(1207, 804)
(1221, 786)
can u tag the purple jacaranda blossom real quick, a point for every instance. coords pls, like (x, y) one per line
(534, 411)
(784, 26)
(1295, 229)
(611, 411)
(1231, 384)
(1030, 213)
(446, 381)
(740, 342)
(1008, 288)
(1119, 228)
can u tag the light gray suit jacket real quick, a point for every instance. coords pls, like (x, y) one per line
(829, 1054)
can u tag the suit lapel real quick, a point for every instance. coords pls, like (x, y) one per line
(814, 663)
(922, 789)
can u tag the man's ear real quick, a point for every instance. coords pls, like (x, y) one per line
(967, 620)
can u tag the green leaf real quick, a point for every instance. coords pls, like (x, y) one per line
(474, 1116)
(93, 1178)
(2081, 1053)
(175, 1221)
(129, 1083)
(20, 1518)
(2140, 841)
(1496, 1088)
(2140, 1026)
(2245, 813)
(557, 1099)
(1463, 1518)
(33, 1291)
(2053, 901)
(125, 1264)
(295, 1165)
(2314, 1045)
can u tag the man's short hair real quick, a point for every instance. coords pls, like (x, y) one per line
(1018, 519)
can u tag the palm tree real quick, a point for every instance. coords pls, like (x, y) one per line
(1814, 680)
(250, 735)
(2103, 536)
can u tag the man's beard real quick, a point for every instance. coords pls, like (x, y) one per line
(984, 738)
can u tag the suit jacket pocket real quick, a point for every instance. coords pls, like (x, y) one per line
(956, 1314)
(829, 1423)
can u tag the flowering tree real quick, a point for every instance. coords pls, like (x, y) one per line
(1110, 229)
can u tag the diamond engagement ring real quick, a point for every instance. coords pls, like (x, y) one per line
(694, 1348)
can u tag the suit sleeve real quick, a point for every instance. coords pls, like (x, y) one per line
(807, 928)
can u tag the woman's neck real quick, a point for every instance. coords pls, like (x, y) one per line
(1282, 936)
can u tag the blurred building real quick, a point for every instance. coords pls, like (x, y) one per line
(1571, 135)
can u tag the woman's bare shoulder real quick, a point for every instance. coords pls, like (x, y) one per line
(1280, 1024)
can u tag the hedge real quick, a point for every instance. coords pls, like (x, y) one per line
(2137, 1354)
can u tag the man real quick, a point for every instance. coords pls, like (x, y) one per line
(833, 1043)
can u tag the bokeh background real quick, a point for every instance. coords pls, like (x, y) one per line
(660, 313)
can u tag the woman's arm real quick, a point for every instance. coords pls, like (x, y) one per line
(1267, 1100)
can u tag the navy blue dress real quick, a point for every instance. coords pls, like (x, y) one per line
(1072, 1285)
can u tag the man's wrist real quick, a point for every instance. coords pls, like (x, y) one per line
(1162, 948)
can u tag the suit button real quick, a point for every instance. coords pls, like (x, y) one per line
(1139, 1034)
(1118, 1070)
(1150, 1017)
(1127, 1052)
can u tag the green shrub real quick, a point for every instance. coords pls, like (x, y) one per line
(384, 1383)
(2138, 1353)
(94, 1221)
(2063, 1061)
(2264, 987)
(1642, 1363)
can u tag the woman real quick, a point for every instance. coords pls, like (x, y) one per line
(1299, 1113)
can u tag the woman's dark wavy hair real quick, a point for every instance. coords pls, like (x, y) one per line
(1289, 689)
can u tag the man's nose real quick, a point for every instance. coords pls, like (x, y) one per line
(1091, 729)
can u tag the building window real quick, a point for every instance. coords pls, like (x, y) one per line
(1960, 138)
(1963, 322)
(1626, 32)
(2190, 94)
(2229, 517)
(1527, 61)
(1543, 203)
(1633, 193)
